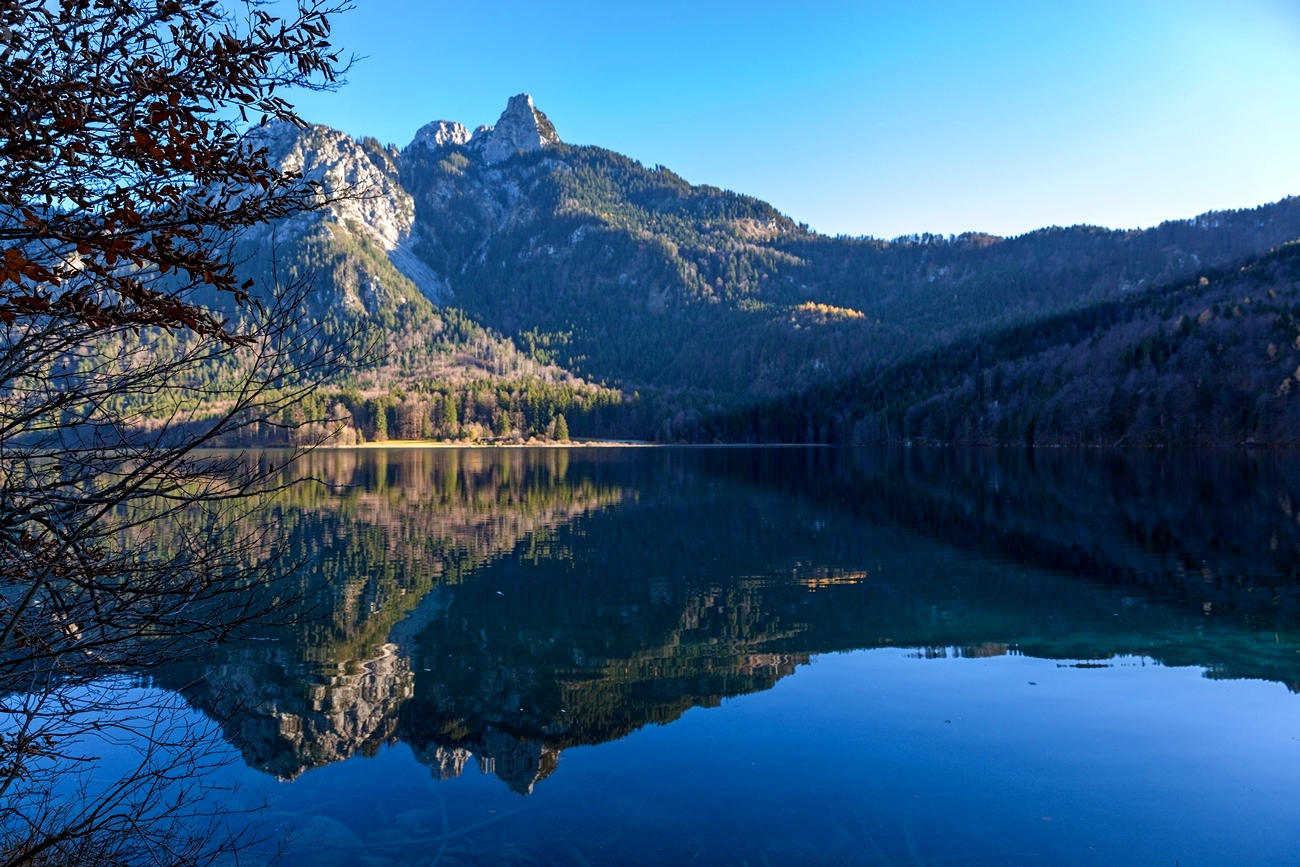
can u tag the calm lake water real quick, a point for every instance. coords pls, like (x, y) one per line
(777, 656)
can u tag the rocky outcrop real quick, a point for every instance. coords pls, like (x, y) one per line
(366, 201)
(360, 180)
(368, 204)
(440, 133)
(522, 127)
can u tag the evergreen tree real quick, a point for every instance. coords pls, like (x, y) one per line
(450, 423)
(561, 429)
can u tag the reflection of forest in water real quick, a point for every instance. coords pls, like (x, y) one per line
(502, 606)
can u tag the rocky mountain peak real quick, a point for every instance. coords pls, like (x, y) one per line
(440, 133)
(521, 127)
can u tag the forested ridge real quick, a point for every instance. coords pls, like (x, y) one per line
(574, 284)
(629, 275)
(1212, 360)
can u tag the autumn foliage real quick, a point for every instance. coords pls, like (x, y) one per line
(130, 162)
(123, 164)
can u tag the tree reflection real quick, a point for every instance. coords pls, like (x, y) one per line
(503, 606)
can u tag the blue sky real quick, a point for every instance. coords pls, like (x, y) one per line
(870, 117)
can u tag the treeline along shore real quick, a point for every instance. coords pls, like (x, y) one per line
(1212, 360)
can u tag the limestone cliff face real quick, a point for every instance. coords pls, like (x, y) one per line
(522, 127)
(367, 209)
(379, 206)
(371, 216)
(440, 133)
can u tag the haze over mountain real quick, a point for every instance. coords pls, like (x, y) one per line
(510, 272)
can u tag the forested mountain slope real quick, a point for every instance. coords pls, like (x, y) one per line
(431, 370)
(561, 266)
(631, 275)
(1214, 360)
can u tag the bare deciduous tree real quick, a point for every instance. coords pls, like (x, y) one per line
(130, 161)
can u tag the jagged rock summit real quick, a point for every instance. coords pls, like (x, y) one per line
(521, 127)
(439, 133)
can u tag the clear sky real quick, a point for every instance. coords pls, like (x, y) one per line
(878, 118)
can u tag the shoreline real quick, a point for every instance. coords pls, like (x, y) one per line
(572, 444)
(442, 444)
(575, 444)
(646, 444)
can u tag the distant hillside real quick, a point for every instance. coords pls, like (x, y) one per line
(509, 263)
(1215, 360)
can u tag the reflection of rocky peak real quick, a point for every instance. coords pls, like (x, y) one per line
(518, 762)
(605, 702)
(326, 713)
(541, 619)
(515, 696)
(323, 693)
(446, 762)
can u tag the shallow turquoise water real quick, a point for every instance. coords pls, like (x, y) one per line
(772, 657)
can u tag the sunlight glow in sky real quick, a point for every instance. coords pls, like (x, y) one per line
(870, 117)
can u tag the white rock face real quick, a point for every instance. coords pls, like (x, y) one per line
(439, 133)
(338, 162)
(372, 202)
(375, 204)
(522, 127)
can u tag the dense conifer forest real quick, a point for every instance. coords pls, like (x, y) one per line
(1212, 360)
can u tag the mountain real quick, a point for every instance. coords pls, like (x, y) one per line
(442, 374)
(505, 260)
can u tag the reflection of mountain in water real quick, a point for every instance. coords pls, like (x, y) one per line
(566, 656)
(288, 715)
(384, 540)
(505, 606)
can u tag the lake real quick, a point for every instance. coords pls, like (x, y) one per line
(770, 657)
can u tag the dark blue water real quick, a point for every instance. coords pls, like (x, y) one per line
(771, 657)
